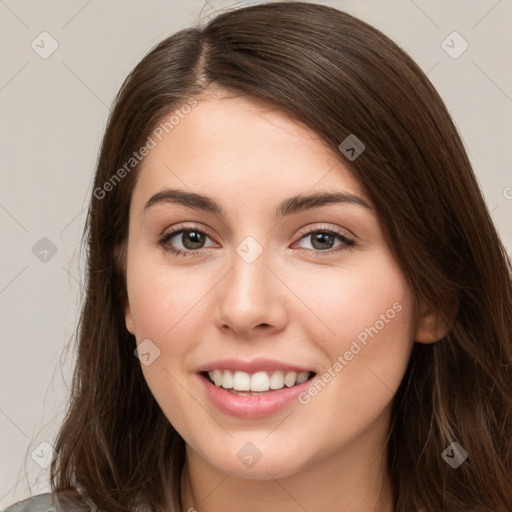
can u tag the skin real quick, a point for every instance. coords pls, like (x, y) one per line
(327, 455)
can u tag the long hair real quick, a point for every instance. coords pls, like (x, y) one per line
(339, 76)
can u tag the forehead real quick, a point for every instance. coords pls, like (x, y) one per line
(245, 146)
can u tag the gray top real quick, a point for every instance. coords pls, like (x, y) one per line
(47, 503)
(62, 501)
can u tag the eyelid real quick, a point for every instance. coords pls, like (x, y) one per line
(184, 226)
(307, 230)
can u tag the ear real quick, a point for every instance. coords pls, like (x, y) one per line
(431, 326)
(120, 259)
(128, 318)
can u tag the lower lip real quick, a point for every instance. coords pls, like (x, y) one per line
(251, 406)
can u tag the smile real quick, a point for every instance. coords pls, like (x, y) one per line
(248, 390)
(240, 381)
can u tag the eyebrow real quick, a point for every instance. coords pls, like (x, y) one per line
(287, 207)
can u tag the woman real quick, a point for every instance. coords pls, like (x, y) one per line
(296, 297)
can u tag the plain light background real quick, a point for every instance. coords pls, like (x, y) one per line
(52, 115)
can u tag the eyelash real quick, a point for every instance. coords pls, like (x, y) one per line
(348, 243)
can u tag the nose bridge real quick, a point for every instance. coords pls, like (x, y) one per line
(250, 294)
(249, 275)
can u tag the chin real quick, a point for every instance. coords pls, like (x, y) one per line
(258, 460)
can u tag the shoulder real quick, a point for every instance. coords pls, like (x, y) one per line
(49, 502)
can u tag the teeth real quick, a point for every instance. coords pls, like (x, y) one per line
(290, 379)
(259, 381)
(227, 380)
(302, 377)
(241, 381)
(216, 376)
(276, 380)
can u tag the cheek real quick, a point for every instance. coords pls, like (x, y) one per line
(161, 304)
(370, 295)
(162, 298)
(368, 310)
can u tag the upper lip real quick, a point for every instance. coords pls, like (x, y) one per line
(253, 366)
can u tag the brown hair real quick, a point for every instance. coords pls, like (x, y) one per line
(338, 76)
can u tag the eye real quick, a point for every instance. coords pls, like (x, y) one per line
(322, 240)
(191, 239)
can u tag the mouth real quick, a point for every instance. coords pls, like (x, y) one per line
(261, 382)
(253, 395)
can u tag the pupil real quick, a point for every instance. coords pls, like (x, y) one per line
(196, 239)
(321, 237)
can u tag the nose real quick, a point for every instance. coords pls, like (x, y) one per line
(251, 299)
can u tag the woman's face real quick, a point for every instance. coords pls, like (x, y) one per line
(259, 299)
